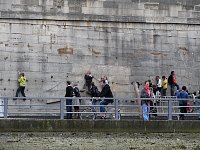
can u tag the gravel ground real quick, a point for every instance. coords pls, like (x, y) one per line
(98, 141)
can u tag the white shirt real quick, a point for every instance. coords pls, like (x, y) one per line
(159, 83)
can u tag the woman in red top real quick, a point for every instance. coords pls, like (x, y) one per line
(146, 93)
(172, 82)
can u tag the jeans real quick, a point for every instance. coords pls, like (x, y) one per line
(145, 111)
(69, 108)
(164, 91)
(102, 107)
(172, 86)
(20, 89)
(182, 110)
(94, 101)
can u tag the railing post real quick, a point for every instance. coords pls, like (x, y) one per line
(116, 110)
(169, 109)
(5, 107)
(62, 109)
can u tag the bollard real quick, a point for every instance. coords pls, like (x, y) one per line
(1, 108)
(5, 107)
(169, 109)
(116, 110)
(62, 109)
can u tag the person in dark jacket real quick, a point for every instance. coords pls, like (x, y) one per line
(106, 93)
(76, 100)
(173, 83)
(88, 80)
(94, 93)
(69, 93)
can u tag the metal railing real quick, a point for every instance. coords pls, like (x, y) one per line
(37, 106)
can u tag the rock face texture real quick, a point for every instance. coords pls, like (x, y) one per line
(131, 40)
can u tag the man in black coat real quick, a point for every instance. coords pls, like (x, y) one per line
(106, 93)
(69, 93)
(88, 80)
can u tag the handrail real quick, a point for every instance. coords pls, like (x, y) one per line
(168, 105)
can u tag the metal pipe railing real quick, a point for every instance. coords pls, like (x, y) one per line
(165, 106)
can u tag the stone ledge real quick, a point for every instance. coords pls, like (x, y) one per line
(33, 125)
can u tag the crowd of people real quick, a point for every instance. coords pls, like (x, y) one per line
(159, 89)
(105, 96)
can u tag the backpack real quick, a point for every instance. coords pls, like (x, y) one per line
(76, 92)
(94, 91)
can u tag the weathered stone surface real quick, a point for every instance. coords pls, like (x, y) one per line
(126, 41)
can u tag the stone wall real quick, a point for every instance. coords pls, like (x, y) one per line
(131, 40)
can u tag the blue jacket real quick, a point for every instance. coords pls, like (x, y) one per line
(182, 95)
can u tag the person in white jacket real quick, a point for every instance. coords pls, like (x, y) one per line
(158, 83)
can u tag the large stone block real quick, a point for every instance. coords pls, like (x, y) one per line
(44, 39)
(4, 28)
(30, 2)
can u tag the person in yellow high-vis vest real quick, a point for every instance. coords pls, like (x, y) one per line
(22, 83)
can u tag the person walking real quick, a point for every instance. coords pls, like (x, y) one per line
(105, 93)
(69, 94)
(22, 84)
(182, 103)
(146, 93)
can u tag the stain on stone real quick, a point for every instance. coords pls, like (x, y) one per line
(28, 45)
(184, 50)
(156, 53)
(65, 50)
(94, 51)
(152, 6)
